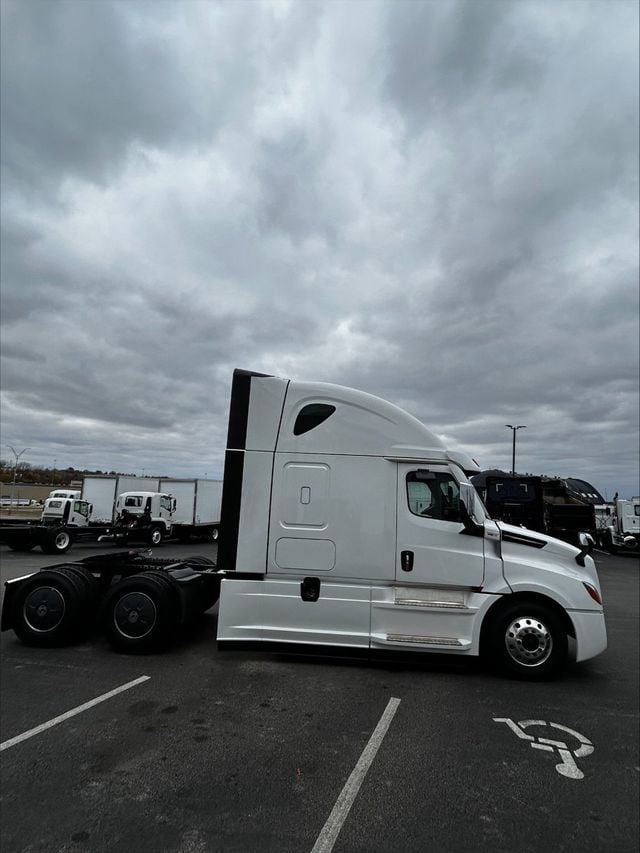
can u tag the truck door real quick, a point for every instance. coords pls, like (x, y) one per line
(432, 545)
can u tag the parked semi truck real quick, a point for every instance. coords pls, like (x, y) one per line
(347, 526)
(618, 526)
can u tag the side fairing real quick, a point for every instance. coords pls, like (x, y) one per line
(254, 418)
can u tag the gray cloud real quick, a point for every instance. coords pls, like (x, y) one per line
(434, 202)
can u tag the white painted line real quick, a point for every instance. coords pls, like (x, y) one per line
(74, 711)
(331, 829)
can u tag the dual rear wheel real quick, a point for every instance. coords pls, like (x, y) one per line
(141, 613)
(56, 606)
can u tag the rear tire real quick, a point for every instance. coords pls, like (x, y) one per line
(56, 541)
(22, 545)
(528, 641)
(141, 613)
(199, 561)
(48, 609)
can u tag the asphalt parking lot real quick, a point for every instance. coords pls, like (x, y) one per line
(230, 751)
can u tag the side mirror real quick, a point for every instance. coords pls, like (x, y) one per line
(587, 542)
(173, 505)
(467, 510)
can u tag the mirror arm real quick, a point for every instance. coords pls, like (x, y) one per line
(470, 527)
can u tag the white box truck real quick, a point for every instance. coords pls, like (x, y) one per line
(102, 491)
(197, 514)
(347, 524)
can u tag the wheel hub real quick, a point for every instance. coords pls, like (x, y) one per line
(44, 609)
(134, 615)
(528, 641)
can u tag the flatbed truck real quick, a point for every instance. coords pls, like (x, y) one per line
(139, 517)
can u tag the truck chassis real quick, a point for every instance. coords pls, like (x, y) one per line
(58, 538)
(138, 601)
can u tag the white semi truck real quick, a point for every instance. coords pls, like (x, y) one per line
(618, 526)
(348, 524)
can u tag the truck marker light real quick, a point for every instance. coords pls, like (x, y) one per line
(593, 592)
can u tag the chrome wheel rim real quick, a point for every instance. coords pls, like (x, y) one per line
(528, 641)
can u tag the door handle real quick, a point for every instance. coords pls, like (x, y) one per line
(310, 589)
(406, 561)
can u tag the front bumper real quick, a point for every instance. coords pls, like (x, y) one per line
(591, 633)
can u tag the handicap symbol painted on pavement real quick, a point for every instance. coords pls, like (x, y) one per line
(567, 767)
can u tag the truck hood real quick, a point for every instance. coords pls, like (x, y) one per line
(518, 540)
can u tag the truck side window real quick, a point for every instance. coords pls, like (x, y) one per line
(311, 416)
(81, 508)
(437, 496)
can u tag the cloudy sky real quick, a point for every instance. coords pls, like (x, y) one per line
(435, 202)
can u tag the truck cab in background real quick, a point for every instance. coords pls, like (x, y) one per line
(347, 524)
(67, 511)
(65, 493)
(148, 511)
(618, 525)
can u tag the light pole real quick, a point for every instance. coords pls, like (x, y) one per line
(513, 457)
(15, 468)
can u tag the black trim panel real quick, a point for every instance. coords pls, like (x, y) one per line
(230, 509)
(234, 467)
(426, 659)
(522, 539)
(239, 408)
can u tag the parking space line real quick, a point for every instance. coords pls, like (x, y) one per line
(72, 713)
(330, 831)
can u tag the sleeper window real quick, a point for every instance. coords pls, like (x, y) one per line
(311, 416)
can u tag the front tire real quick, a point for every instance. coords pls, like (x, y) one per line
(611, 548)
(155, 536)
(528, 641)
